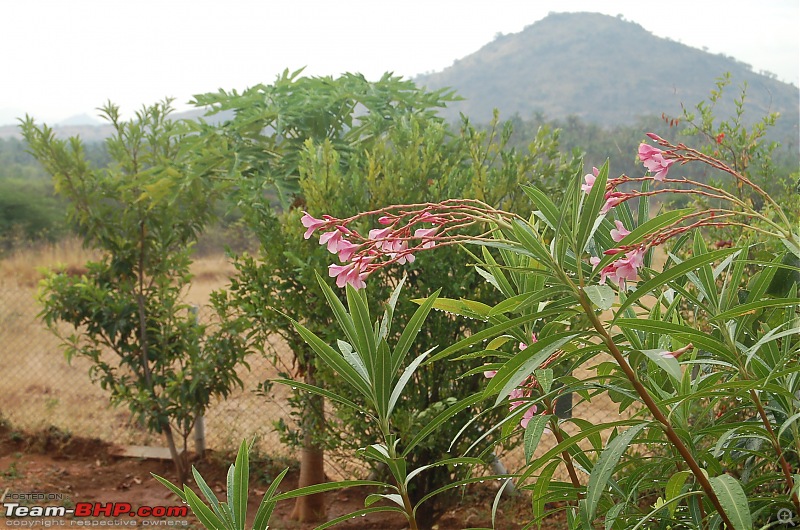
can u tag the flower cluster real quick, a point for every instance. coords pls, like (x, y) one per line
(406, 230)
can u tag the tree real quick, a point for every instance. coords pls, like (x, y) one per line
(351, 146)
(144, 213)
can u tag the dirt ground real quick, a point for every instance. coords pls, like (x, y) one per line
(79, 470)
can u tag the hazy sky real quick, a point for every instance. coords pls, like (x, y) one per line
(67, 57)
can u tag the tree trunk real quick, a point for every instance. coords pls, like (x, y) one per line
(311, 508)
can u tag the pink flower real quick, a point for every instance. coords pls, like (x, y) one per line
(424, 234)
(653, 159)
(312, 224)
(488, 374)
(589, 180)
(333, 239)
(624, 269)
(526, 418)
(515, 396)
(346, 250)
(386, 220)
(619, 233)
(380, 236)
(612, 199)
(400, 248)
(654, 136)
(352, 273)
(594, 261)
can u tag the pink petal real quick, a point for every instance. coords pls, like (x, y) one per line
(619, 233)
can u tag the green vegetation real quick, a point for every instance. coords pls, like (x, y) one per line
(143, 212)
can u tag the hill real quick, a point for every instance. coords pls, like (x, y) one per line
(604, 70)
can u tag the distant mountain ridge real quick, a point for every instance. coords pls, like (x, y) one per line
(604, 70)
(599, 68)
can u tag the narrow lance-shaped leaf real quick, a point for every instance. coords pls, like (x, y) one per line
(604, 468)
(264, 513)
(401, 383)
(412, 329)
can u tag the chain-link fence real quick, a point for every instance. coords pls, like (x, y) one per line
(40, 389)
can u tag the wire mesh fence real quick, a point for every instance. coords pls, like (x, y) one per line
(40, 389)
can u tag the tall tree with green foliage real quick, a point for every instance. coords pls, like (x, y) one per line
(143, 212)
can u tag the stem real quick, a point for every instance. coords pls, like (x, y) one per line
(673, 437)
(573, 475)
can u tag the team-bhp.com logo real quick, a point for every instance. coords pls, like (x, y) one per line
(94, 509)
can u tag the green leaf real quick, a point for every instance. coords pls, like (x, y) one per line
(755, 306)
(668, 363)
(545, 379)
(202, 512)
(670, 274)
(698, 338)
(354, 360)
(591, 208)
(339, 311)
(326, 486)
(674, 487)
(211, 498)
(358, 513)
(264, 513)
(533, 434)
(550, 212)
(320, 392)
(523, 364)
(401, 383)
(335, 361)
(241, 482)
(733, 499)
(485, 334)
(412, 329)
(172, 487)
(541, 487)
(602, 296)
(604, 468)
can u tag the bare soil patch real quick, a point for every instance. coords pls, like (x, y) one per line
(78, 470)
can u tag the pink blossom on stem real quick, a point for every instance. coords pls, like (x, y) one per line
(346, 250)
(488, 374)
(425, 234)
(594, 261)
(352, 273)
(386, 220)
(400, 248)
(526, 418)
(624, 269)
(312, 224)
(612, 199)
(589, 179)
(653, 159)
(381, 237)
(332, 239)
(654, 136)
(619, 233)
